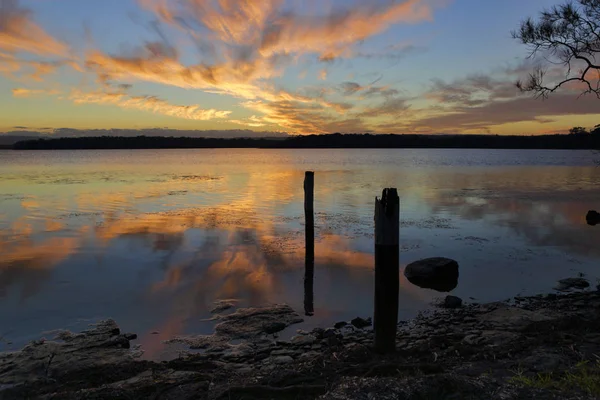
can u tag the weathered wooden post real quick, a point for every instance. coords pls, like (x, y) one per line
(387, 270)
(309, 242)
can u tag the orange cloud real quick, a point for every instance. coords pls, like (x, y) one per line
(18, 33)
(24, 92)
(323, 74)
(254, 41)
(244, 44)
(332, 36)
(147, 103)
(35, 70)
(266, 26)
(233, 77)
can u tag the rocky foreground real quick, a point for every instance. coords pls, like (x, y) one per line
(543, 347)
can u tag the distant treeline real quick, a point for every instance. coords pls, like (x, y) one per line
(320, 141)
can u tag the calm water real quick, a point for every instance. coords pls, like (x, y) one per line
(153, 238)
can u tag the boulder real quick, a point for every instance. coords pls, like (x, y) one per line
(565, 285)
(436, 273)
(452, 302)
(592, 218)
(340, 324)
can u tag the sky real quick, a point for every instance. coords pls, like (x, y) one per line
(263, 66)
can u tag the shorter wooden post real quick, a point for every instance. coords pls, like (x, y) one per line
(387, 270)
(309, 242)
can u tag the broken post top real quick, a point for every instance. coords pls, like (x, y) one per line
(387, 218)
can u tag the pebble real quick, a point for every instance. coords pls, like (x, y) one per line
(282, 352)
(472, 339)
(281, 360)
(303, 340)
(309, 355)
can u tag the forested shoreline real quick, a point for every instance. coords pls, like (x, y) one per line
(319, 141)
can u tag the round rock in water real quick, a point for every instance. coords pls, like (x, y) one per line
(592, 218)
(436, 273)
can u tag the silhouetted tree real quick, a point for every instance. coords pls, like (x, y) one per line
(596, 130)
(567, 35)
(578, 130)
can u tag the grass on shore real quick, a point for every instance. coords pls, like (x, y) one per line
(584, 377)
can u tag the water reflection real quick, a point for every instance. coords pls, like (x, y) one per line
(154, 249)
(443, 286)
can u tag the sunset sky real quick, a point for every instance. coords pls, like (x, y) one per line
(296, 66)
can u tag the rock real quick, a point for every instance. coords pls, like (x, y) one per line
(436, 273)
(245, 370)
(497, 338)
(302, 340)
(101, 348)
(340, 324)
(273, 327)
(592, 218)
(282, 360)
(565, 285)
(332, 341)
(330, 332)
(318, 333)
(222, 305)
(355, 352)
(311, 355)
(361, 323)
(472, 339)
(512, 318)
(452, 302)
(282, 352)
(252, 322)
(130, 336)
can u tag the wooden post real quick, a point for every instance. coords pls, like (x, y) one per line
(387, 270)
(309, 242)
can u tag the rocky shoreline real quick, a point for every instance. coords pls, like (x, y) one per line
(542, 347)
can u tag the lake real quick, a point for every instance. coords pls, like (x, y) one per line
(152, 238)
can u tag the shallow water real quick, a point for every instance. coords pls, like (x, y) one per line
(152, 238)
